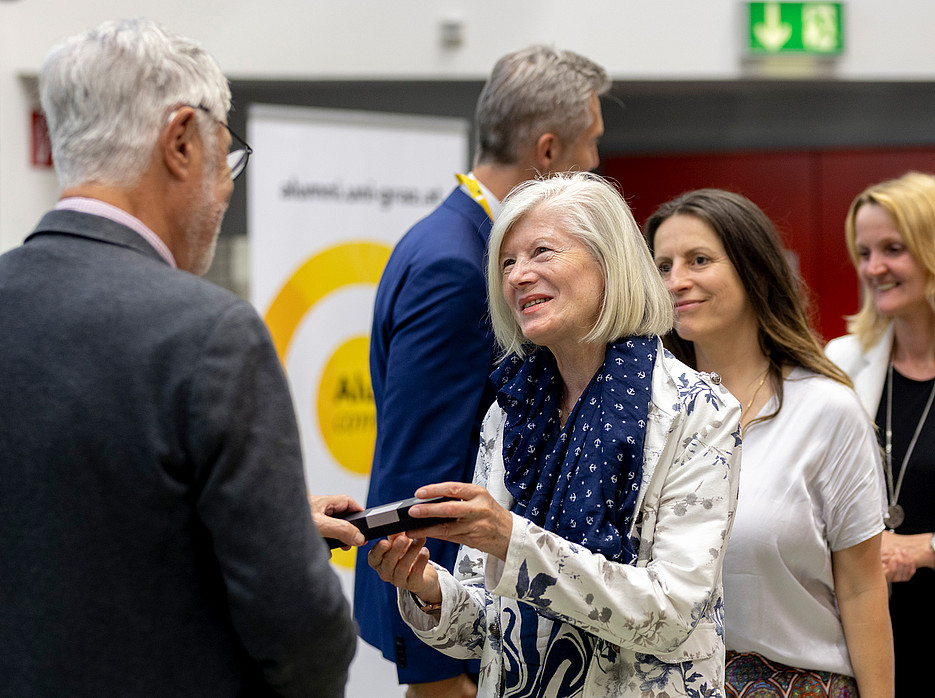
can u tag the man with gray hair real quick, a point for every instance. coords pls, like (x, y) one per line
(431, 347)
(155, 531)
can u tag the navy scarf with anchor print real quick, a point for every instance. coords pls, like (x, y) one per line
(581, 481)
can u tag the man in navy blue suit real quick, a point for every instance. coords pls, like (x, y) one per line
(431, 348)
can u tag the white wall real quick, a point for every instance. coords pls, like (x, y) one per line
(365, 39)
(636, 39)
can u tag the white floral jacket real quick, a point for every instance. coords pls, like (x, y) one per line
(656, 626)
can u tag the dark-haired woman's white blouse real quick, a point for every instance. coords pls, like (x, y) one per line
(811, 484)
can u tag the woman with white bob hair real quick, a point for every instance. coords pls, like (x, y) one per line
(606, 479)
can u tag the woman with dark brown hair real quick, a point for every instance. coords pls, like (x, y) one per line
(805, 597)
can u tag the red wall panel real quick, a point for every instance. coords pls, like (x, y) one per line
(806, 193)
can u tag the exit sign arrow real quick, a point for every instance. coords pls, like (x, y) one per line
(772, 32)
(795, 27)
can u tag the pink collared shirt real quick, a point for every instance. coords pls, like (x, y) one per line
(96, 207)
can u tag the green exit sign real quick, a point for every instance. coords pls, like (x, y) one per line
(796, 27)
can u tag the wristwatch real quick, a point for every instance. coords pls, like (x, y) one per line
(932, 542)
(437, 607)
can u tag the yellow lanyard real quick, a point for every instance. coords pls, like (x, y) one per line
(473, 186)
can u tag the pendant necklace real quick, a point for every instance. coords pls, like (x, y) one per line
(746, 410)
(894, 513)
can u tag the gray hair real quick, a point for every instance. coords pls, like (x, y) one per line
(530, 92)
(589, 208)
(107, 94)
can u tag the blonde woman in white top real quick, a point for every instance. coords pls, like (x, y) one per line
(890, 356)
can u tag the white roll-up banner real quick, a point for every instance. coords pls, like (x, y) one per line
(328, 195)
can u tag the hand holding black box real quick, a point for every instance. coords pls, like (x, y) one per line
(384, 520)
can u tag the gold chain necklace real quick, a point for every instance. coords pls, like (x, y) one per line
(756, 392)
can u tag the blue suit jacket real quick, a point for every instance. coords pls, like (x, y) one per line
(431, 351)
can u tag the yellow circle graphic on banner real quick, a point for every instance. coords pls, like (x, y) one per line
(326, 272)
(344, 558)
(346, 412)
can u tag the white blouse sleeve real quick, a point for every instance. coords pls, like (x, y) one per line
(460, 629)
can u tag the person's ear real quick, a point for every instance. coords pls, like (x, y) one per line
(548, 148)
(179, 142)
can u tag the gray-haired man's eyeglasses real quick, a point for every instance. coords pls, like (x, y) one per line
(239, 152)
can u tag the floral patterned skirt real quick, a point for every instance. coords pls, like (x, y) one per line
(750, 675)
